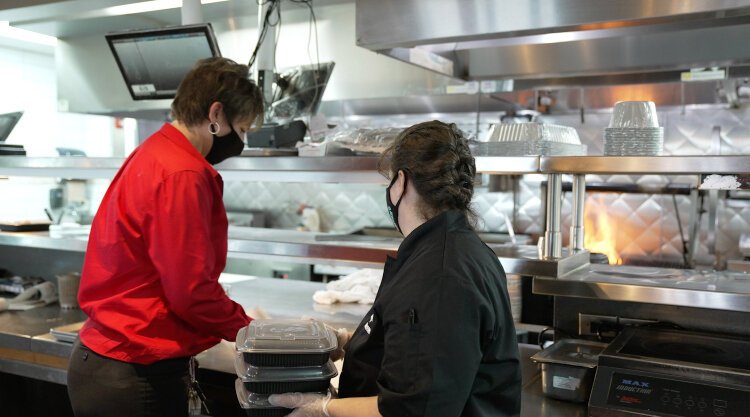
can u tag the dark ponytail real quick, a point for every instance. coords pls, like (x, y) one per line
(438, 161)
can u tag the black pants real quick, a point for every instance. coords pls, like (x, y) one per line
(100, 386)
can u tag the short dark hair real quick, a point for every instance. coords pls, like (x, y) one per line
(217, 79)
(437, 159)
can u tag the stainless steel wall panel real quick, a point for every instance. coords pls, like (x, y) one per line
(688, 133)
(342, 207)
(647, 223)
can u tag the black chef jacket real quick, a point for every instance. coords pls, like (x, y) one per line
(439, 339)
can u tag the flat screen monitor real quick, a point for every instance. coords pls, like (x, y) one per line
(299, 90)
(154, 61)
(7, 123)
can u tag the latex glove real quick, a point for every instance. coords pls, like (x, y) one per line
(257, 313)
(304, 404)
(342, 338)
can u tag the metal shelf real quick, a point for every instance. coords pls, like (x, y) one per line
(303, 247)
(277, 169)
(42, 240)
(722, 290)
(665, 165)
(507, 165)
(329, 169)
(364, 168)
(517, 260)
(60, 167)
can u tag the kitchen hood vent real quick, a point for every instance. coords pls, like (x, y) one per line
(561, 42)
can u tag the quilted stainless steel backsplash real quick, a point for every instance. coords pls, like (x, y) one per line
(647, 223)
(342, 207)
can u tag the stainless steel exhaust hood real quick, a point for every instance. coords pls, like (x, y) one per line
(560, 42)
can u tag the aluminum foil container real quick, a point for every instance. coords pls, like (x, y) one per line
(519, 139)
(533, 132)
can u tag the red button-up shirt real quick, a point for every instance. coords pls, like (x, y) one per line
(157, 246)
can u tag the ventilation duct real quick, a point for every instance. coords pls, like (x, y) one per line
(561, 42)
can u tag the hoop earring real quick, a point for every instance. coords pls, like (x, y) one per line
(213, 128)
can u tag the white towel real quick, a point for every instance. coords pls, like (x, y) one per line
(360, 287)
(37, 296)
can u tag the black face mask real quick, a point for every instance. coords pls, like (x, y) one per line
(224, 147)
(393, 208)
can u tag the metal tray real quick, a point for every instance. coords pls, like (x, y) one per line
(582, 353)
(67, 333)
(269, 152)
(568, 369)
(24, 227)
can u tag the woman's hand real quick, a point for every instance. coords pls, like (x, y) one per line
(342, 338)
(304, 404)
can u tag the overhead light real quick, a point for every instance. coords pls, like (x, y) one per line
(147, 6)
(10, 32)
(142, 7)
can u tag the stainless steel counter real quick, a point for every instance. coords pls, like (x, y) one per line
(722, 290)
(17, 328)
(27, 349)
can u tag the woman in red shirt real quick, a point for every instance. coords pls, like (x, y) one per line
(157, 246)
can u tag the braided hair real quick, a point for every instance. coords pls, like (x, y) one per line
(438, 161)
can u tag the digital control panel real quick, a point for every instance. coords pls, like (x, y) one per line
(679, 398)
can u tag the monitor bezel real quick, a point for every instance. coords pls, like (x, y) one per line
(278, 93)
(14, 117)
(205, 28)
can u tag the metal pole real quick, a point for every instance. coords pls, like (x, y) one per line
(576, 225)
(191, 12)
(516, 198)
(264, 62)
(713, 205)
(553, 236)
(694, 224)
(476, 124)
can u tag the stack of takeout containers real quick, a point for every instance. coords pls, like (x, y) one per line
(280, 356)
(634, 130)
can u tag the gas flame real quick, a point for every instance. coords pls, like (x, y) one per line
(600, 234)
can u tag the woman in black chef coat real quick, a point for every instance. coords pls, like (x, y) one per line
(439, 339)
